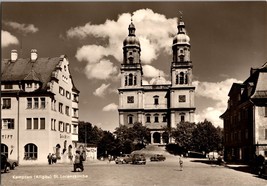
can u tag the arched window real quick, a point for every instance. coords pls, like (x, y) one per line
(125, 80)
(177, 79)
(182, 117)
(58, 151)
(164, 117)
(156, 118)
(4, 149)
(135, 80)
(156, 100)
(70, 152)
(186, 79)
(130, 79)
(181, 78)
(130, 119)
(148, 118)
(30, 151)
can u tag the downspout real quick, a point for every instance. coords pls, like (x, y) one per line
(18, 126)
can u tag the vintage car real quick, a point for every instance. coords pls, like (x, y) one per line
(13, 163)
(157, 157)
(139, 159)
(5, 165)
(124, 158)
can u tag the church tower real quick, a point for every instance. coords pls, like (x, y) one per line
(182, 90)
(131, 69)
(130, 91)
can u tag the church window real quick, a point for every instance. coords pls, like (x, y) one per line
(156, 100)
(182, 98)
(177, 79)
(181, 78)
(148, 118)
(130, 99)
(126, 80)
(182, 118)
(131, 79)
(181, 58)
(130, 119)
(134, 80)
(156, 118)
(164, 118)
(186, 79)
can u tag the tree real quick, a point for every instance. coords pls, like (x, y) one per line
(132, 138)
(206, 137)
(183, 135)
(107, 144)
(89, 134)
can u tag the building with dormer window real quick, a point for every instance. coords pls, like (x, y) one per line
(159, 105)
(39, 104)
(245, 120)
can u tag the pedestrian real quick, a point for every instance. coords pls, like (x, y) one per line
(54, 158)
(181, 163)
(77, 160)
(49, 158)
(109, 158)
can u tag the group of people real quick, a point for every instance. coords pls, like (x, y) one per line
(52, 158)
(78, 161)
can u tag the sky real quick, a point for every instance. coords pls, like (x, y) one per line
(227, 39)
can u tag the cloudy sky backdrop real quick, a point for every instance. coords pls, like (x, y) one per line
(227, 39)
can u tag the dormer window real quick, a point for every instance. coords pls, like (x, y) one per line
(28, 85)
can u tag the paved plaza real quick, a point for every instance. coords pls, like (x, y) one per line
(102, 173)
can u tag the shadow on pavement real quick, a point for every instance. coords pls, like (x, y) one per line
(241, 168)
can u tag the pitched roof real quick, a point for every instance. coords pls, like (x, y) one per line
(261, 87)
(25, 69)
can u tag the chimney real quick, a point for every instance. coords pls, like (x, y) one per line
(14, 55)
(33, 55)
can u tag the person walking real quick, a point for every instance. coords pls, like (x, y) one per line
(77, 160)
(49, 158)
(181, 163)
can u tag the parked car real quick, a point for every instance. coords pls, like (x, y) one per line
(5, 165)
(213, 155)
(157, 157)
(139, 159)
(13, 163)
(124, 158)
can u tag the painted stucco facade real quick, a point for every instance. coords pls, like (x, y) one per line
(38, 103)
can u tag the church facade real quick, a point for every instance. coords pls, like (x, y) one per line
(157, 106)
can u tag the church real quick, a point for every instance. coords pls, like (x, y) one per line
(159, 105)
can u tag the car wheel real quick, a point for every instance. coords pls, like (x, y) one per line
(7, 168)
(13, 166)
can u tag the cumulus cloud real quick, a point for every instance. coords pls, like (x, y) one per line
(21, 27)
(151, 72)
(8, 39)
(102, 70)
(218, 92)
(153, 38)
(110, 107)
(101, 91)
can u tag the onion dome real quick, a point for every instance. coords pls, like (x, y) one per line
(181, 37)
(131, 39)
